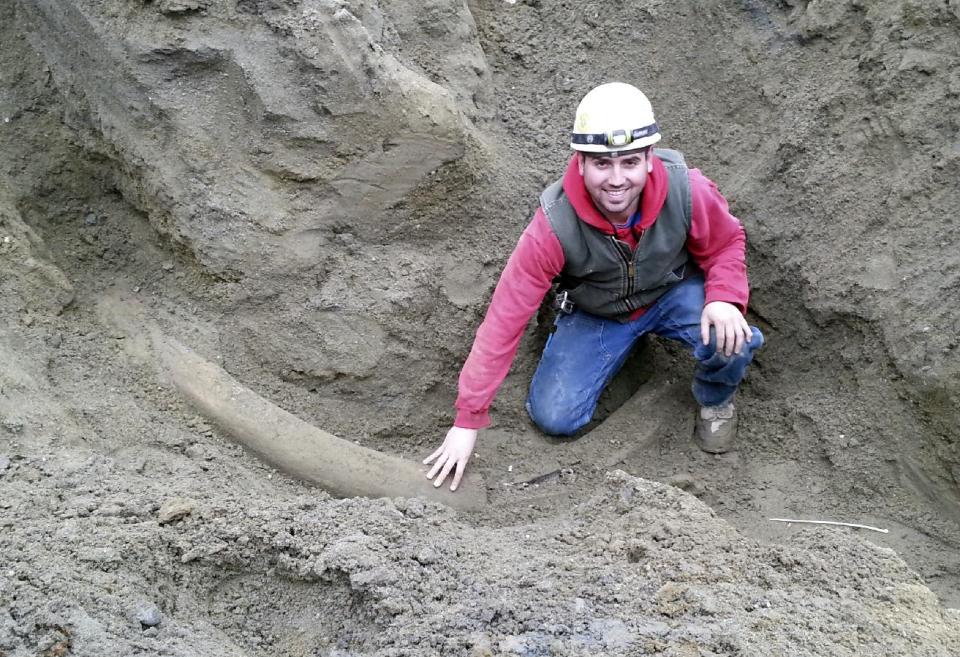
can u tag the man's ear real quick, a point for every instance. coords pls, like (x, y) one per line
(580, 158)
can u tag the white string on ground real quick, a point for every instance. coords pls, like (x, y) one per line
(831, 522)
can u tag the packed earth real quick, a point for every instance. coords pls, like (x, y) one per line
(314, 198)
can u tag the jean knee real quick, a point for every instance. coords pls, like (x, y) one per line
(756, 341)
(707, 353)
(553, 420)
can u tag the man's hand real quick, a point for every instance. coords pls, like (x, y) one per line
(732, 329)
(455, 451)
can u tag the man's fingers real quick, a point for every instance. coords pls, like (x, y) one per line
(747, 334)
(437, 453)
(436, 466)
(443, 473)
(731, 338)
(738, 346)
(730, 327)
(461, 466)
(721, 336)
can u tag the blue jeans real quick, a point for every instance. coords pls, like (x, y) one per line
(585, 351)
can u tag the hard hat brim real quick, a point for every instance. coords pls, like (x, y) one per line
(603, 148)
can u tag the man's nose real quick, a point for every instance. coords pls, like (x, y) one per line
(616, 175)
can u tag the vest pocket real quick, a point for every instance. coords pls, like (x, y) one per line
(670, 278)
(677, 274)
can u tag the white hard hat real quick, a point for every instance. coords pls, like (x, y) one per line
(614, 117)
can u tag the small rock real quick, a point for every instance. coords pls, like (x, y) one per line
(148, 614)
(178, 507)
(181, 6)
(612, 632)
(372, 578)
(4, 462)
(167, 266)
(90, 219)
(427, 556)
(481, 647)
(415, 508)
(650, 627)
(198, 451)
(12, 425)
(394, 606)
(192, 553)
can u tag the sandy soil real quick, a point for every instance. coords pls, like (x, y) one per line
(319, 196)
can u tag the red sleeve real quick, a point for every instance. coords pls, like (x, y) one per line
(528, 274)
(717, 243)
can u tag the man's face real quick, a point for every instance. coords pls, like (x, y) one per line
(615, 183)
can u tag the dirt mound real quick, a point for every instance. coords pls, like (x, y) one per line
(640, 568)
(318, 197)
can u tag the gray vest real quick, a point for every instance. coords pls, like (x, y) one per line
(600, 273)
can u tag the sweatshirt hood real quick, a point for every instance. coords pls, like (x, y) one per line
(651, 200)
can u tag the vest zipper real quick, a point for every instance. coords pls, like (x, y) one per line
(632, 266)
(629, 259)
(619, 247)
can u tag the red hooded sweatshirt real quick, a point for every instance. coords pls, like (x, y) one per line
(716, 242)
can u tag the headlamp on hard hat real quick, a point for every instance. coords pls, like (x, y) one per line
(606, 118)
(614, 138)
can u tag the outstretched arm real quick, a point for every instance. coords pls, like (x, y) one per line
(528, 274)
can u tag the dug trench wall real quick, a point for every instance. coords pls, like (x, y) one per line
(318, 196)
(267, 142)
(277, 146)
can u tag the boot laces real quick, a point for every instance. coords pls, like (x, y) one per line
(714, 413)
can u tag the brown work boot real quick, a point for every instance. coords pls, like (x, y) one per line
(717, 428)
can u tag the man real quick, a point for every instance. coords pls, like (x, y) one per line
(640, 244)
